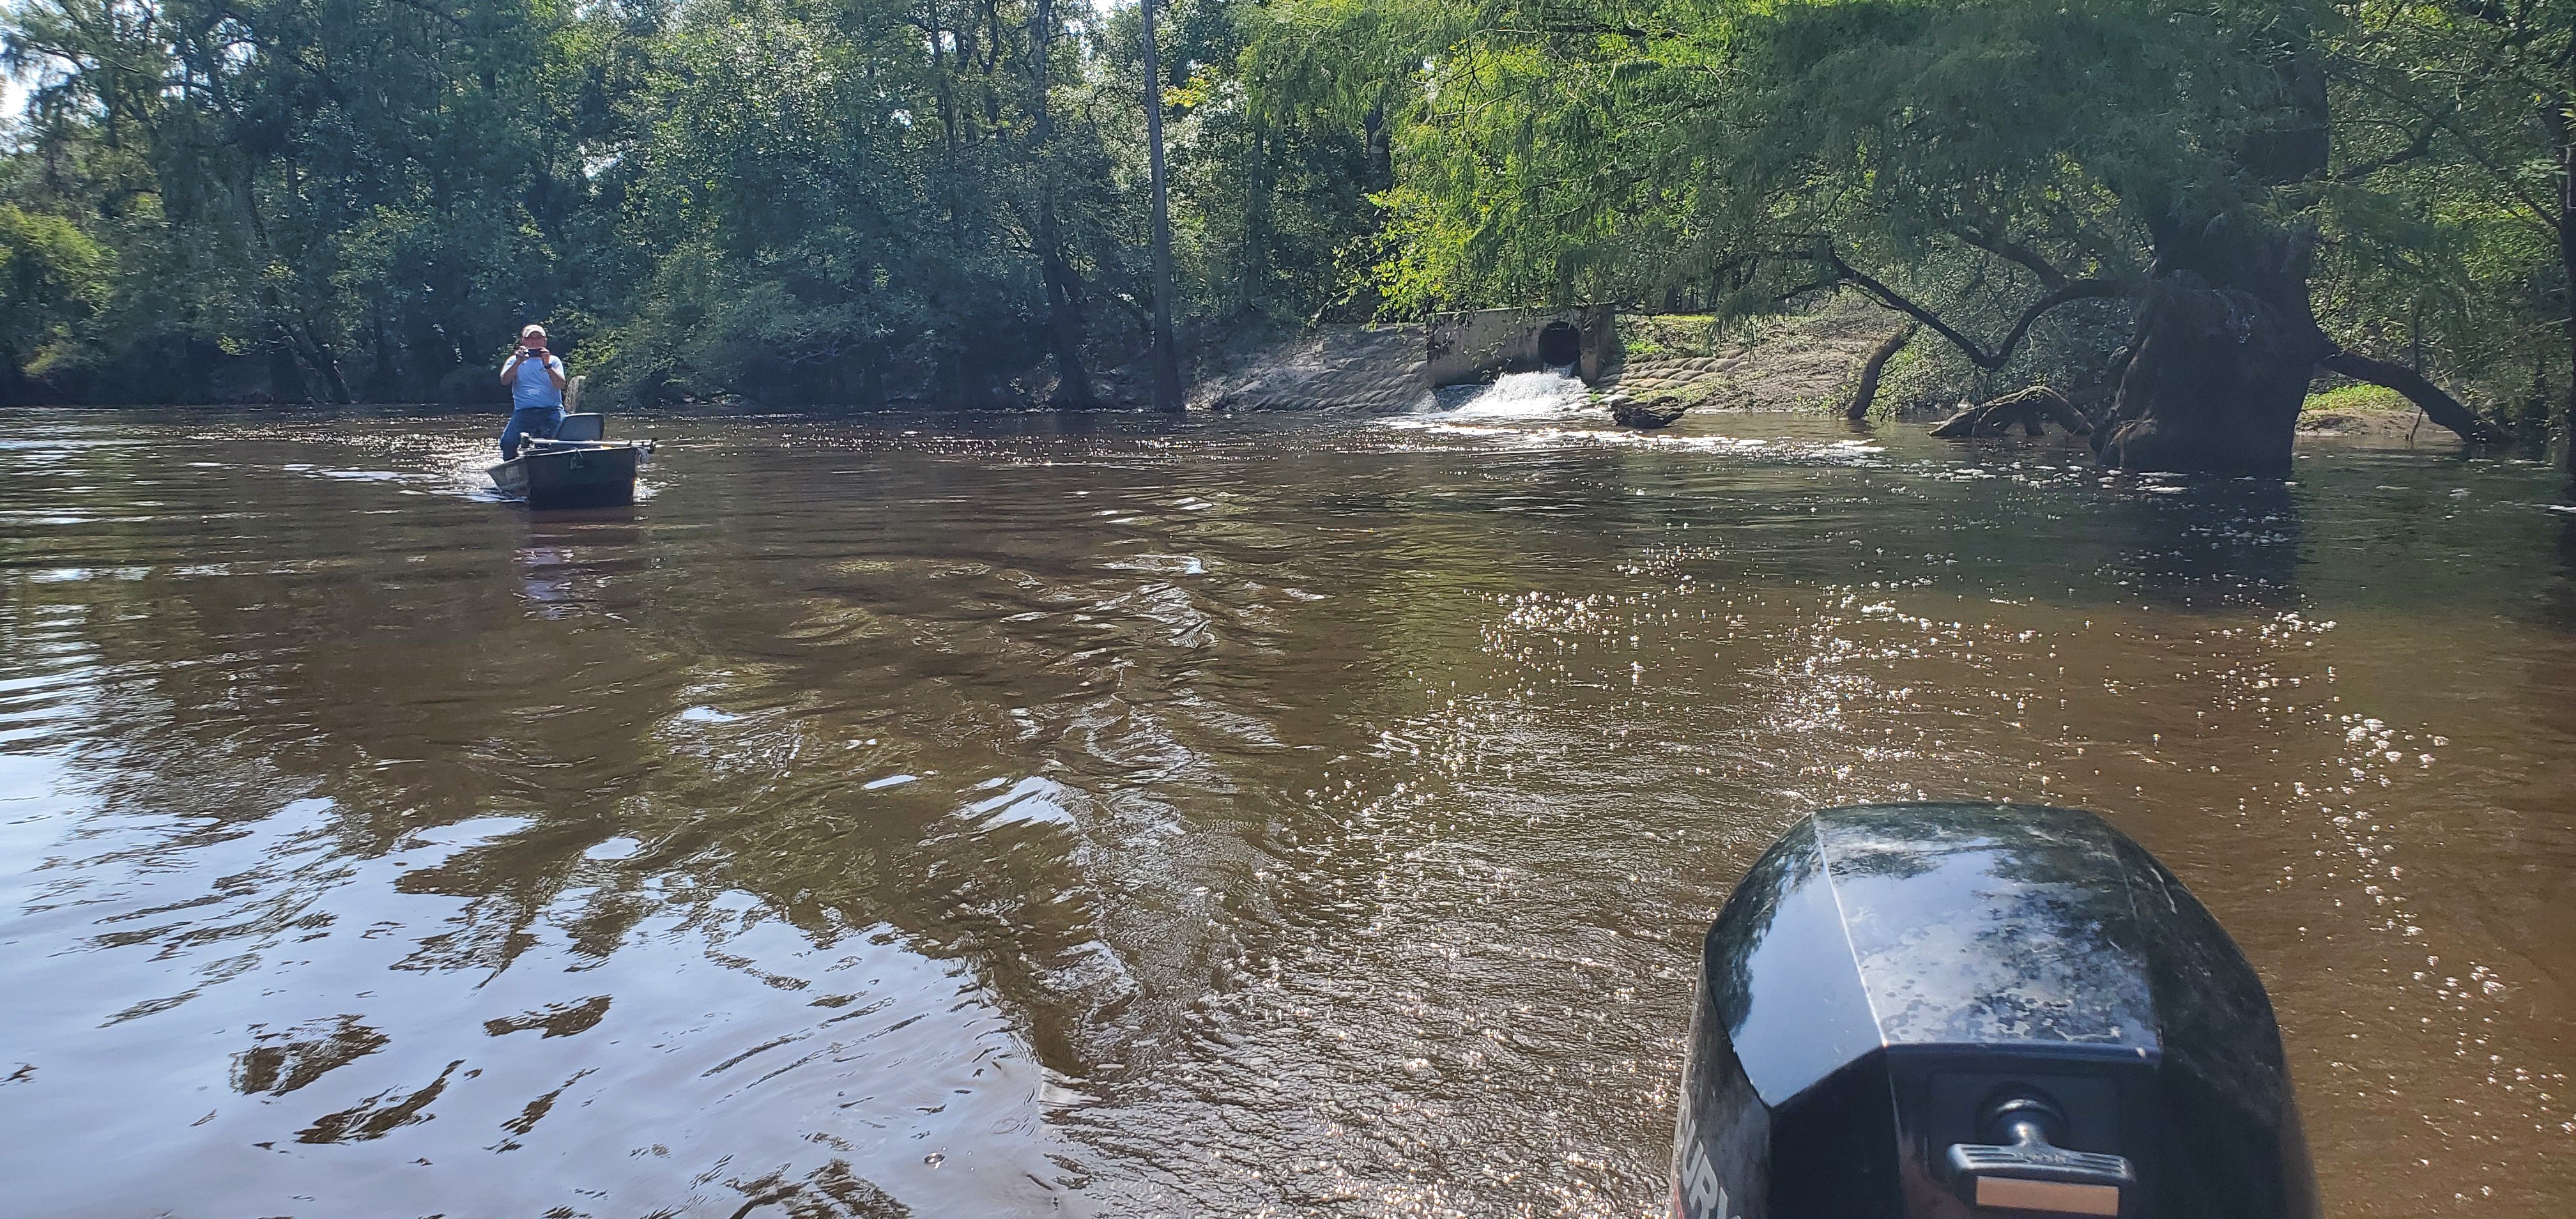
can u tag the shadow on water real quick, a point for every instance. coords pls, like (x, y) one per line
(2211, 545)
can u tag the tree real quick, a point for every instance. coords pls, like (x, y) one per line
(53, 279)
(1275, 161)
(2455, 187)
(2172, 159)
(1063, 286)
(794, 201)
(292, 183)
(1167, 359)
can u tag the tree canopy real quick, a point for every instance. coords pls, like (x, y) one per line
(1978, 165)
(800, 200)
(843, 200)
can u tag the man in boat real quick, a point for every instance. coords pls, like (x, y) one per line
(536, 380)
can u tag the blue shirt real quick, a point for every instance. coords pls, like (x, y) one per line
(532, 389)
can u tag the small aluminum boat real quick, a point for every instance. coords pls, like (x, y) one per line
(577, 467)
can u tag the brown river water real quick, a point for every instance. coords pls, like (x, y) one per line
(1115, 816)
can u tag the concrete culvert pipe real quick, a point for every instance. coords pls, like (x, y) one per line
(1559, 344)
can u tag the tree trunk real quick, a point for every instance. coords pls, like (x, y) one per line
(1064, 317)
(384, 381)
(2218, 378)
(285, 376)
(1379, 144)
(965, 379)
(1167, 361)
(947, 133)
(1255, 270)
(2226, 338)
(1867, 392)
(326, 364)
(1063, 286)
(2558, 116)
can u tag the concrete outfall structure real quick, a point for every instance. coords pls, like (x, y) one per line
(1479, 345)
(1661, 366)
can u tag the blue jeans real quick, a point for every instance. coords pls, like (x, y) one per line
(537, 421)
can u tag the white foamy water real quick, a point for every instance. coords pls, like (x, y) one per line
(1521, 395)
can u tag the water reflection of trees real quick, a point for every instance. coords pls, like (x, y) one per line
(2191, 545)
(350, 687)
(2045, 879)
(417, 697)
(565, 715)
(2208, 545)
(2103, 944)
(686, 735)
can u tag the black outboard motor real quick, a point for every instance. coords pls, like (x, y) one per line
(1938, 1011)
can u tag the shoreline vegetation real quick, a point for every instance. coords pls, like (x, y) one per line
(1801, 364)
(2173, 225)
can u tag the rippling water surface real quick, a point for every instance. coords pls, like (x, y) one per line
(901, 817)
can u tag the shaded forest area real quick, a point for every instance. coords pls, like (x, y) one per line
(796, 201)
(2191, 212)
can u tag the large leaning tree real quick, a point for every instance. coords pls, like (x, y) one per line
(2175, 157)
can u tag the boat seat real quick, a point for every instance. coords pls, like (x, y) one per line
(585, 426)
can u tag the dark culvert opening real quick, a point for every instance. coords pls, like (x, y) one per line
(1559, 344)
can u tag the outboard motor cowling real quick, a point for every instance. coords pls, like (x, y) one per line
(1936, 1011)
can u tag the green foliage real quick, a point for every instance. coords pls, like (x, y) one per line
(2446, 211)
(53, 281)
(2357, 398)
(816, 196)
(1969, 156)
(1611, 150)
(854, 200)
(295, 181)
(792, 200)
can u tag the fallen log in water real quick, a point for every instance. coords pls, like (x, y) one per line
(2032, 408)
(1653, 413)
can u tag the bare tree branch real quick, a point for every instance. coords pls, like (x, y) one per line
(2013, 251)
(2082, 289)
(2440, 407)
(2417, 147)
